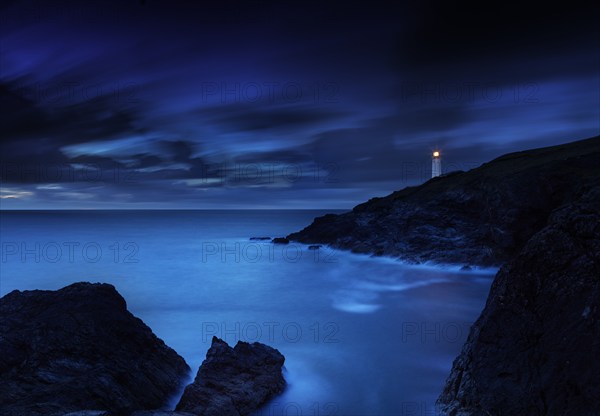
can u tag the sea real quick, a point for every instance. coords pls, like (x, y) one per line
(361, 335)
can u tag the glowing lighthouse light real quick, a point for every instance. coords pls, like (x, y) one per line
(436, 164)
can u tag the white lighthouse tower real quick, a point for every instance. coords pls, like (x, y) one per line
(436, 164)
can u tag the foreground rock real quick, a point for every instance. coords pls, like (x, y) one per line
(79, 348)
(280, 240)
(534, 349)
(234, 381)
(480, 217)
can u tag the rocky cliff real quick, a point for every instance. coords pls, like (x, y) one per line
(78, 351)
(80, 348)
(534, 349)
(481, 217)
(234, 381)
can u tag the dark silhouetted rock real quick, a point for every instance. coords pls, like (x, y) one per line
(281, 240)
(234, 381)
(534, 350)
(260, 238)
(480, 217)
(79, 348)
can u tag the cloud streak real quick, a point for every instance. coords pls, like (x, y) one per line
(253, 105)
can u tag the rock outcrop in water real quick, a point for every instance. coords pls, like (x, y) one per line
(534, 349)
(480, 217)
(234, 381)
(280, 240)
(68, 351)
(79, 348)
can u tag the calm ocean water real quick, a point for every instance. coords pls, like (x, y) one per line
(361, 336)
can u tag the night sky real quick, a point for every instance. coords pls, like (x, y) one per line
(258, 104)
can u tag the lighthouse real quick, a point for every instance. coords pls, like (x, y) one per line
(436, 164)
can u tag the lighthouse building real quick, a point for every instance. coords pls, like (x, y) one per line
(436, 164)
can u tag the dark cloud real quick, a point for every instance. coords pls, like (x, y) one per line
(468, 31)
(179, 151)
(432, 119)
(28, 118)
(252, 117)
(114, 104)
